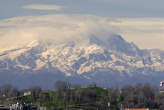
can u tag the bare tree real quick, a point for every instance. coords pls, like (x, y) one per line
(6, 90)
(62, 85)
(76, 86)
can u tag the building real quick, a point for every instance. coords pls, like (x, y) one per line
(27, 93)
(19, 106)
(136, 108)
(3, 107)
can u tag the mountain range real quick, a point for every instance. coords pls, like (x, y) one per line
(106, 61)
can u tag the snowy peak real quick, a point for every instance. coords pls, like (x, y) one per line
(93, 59)
(116, 43)
(76, 58)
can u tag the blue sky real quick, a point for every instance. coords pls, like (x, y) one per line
(110, 8)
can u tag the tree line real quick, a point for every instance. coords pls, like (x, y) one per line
(67, 96)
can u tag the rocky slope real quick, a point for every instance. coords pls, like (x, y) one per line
(106, 61)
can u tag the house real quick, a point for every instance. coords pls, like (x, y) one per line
(140, 109)
(3, 107)
(136, 108)
(27, 93)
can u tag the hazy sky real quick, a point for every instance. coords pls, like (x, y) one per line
(138, 21)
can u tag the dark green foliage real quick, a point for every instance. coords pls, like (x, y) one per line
(68, 97)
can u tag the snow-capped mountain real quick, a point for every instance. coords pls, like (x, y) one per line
(106, 61)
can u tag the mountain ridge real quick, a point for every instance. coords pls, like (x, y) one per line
(95, 59)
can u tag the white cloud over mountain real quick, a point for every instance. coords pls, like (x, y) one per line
(43, 7)
(55, 28)
(58, 28)
(145, 32)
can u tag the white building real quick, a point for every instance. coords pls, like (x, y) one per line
(27, 93)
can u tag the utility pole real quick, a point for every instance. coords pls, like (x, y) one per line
(109, 105)
(121, 107)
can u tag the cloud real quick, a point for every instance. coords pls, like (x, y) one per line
(145, 32)
(57, 28)
(60, 28)
(43, 7)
